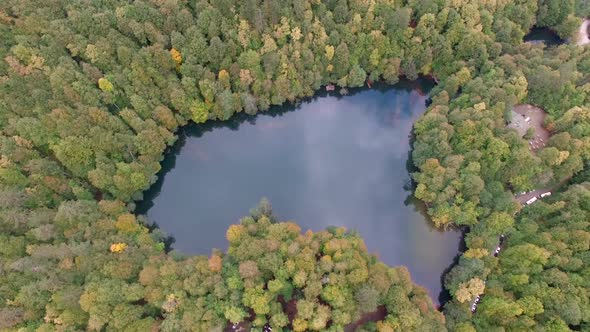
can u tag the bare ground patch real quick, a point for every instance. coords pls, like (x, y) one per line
(536, 119)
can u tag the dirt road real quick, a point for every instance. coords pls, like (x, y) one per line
(583, 37)
(535, 193)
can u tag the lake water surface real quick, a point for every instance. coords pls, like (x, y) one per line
(543, 36)
(339, 161)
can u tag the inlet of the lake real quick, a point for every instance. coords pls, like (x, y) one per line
(330, 160)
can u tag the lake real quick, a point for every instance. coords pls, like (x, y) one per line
(330, 160)
(543, 36)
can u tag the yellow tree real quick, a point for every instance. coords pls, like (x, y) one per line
(296, 33)
(176, 56)
(118, 247)
(105, 85)
(223, 77)
(244, 33)
(329, 52)
(234, 233)
(469, 290)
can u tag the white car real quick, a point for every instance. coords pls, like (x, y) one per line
(546, 194)
(531, 201)
(497, 251)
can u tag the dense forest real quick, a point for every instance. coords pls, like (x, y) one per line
(541, 280)
(92, 93)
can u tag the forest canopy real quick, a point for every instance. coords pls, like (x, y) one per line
(93, 92)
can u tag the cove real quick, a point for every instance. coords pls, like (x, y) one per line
(329, 161)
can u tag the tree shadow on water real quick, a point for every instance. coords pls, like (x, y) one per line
(193, 130)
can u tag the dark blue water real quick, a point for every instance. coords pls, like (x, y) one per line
(543, 36)
(329, 161)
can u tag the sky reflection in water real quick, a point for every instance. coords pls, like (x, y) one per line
(333, 161)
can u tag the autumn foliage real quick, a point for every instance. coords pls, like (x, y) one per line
(92, 94)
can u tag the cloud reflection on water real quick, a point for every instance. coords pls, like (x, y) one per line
(334, 161)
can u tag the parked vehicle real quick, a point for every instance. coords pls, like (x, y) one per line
(497, 251)
(475, 302)
(546, 194)
(531, 201)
